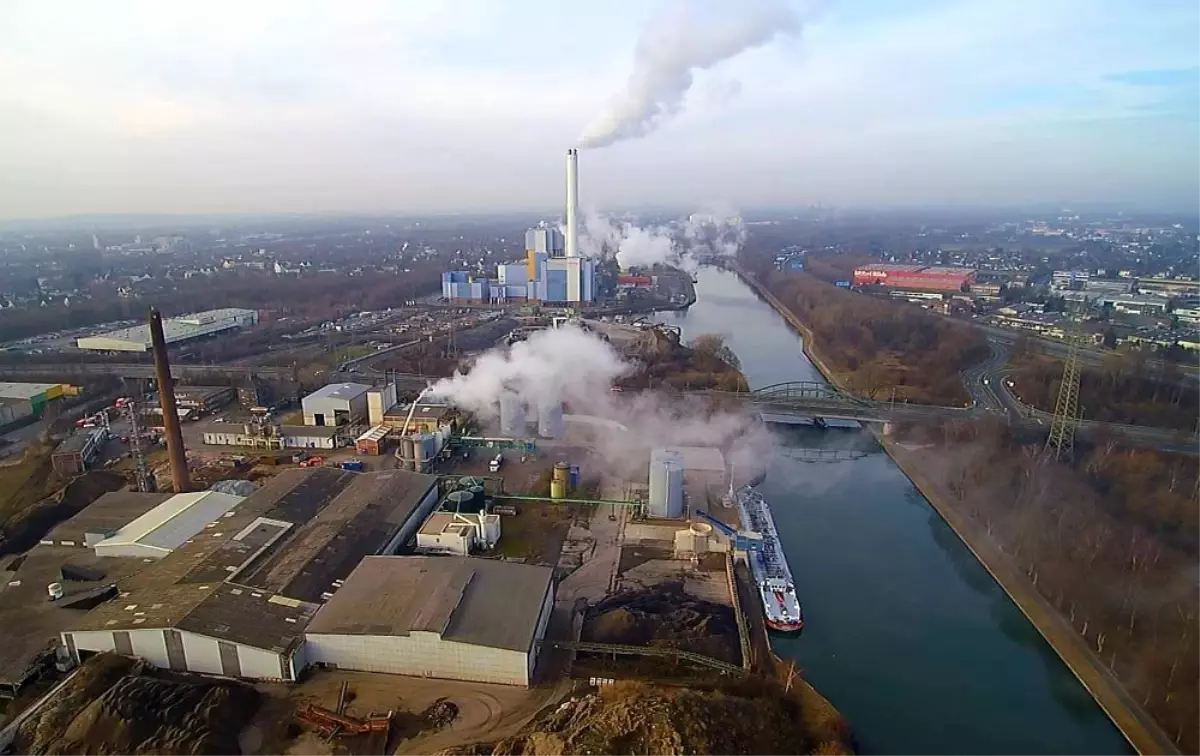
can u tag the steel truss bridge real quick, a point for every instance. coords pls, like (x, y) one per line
(811, 399)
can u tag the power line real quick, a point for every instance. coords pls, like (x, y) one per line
(1060, 444)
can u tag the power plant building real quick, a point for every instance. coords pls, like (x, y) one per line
(455, 618)
(176, 330)
(553, 270)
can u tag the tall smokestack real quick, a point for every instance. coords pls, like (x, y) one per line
(166, 400)
(572, 203)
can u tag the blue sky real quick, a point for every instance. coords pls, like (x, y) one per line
(445, 106)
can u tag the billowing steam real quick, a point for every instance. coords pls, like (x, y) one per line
(684, 37)
(575, 366)
(682, 244)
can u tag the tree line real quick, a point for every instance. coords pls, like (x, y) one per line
(1112, 543)
(1127, 388)
(879, 345)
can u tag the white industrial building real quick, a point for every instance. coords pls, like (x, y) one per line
(336, 404)
(235, 598)
(271, 436)
(458, 533)
(456, 618)
(182, 328)
(168, 526)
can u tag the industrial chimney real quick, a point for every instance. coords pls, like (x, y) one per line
(572, 203)
(166, 400)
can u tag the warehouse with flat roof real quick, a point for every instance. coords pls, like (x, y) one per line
(456, 618)
(176, 330)
(235, 598)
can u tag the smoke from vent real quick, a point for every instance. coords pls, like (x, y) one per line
(682, 243)
(575, 366)
(684, 37)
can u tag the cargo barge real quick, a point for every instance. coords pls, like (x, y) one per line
(768, 565)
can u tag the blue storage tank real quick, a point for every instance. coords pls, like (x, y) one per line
(573, 477)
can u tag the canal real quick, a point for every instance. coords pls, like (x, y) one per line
(905, 632)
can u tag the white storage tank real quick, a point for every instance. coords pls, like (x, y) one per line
(550, 419)
(666, 484)
(512, 415)
(55, 590)
(491, 529)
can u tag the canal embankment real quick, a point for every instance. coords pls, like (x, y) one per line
(1135, 725)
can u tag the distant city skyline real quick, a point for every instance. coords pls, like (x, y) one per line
(469, 105)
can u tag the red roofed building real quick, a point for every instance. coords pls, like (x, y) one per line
(918, 277)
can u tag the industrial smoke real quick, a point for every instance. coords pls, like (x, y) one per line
(684, 37)
(683, 243)
(569, 364)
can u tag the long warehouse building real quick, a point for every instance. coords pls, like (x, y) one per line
(177, 330)
(235, 598)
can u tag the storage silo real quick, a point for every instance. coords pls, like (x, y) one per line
(512, 415)
(666, 484)
(429, 450)
(408, 452)
(573, 477)
(562, 472)
(558, 489)
(550, 419)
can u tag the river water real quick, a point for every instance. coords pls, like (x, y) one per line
(905, 632)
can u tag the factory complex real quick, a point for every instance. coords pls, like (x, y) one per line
(176, 330)
(552, 272)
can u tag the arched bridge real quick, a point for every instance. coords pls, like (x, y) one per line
(812, 399)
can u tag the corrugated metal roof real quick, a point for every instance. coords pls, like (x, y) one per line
(174, 521)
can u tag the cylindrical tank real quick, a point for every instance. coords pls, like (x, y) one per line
(573, 477)
(458, 501)
(512, 415)
(550, 419)
(469, 481)
(666, 484)
(558, 489)
(491, 529)
(429, 449)
(55, 590)
(562, 472)
(406, 452)
(478, 499)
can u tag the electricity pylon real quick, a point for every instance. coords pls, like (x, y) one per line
(1060, 444)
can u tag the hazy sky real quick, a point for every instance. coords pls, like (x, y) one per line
(466, 105)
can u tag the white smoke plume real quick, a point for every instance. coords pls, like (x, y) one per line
(685, 36)
(575, 366)
(681, 243)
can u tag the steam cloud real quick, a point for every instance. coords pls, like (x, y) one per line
(680, 243)
(575, 366)
(684, 37)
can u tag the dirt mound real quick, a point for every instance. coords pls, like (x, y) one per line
(114, 707)
(649, 719)
(25, 528)
(665, 616)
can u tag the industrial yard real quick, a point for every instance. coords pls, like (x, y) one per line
(384, 568)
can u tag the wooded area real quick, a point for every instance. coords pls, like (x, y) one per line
(1129, 388)
(1111, 542)
(876, 345)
